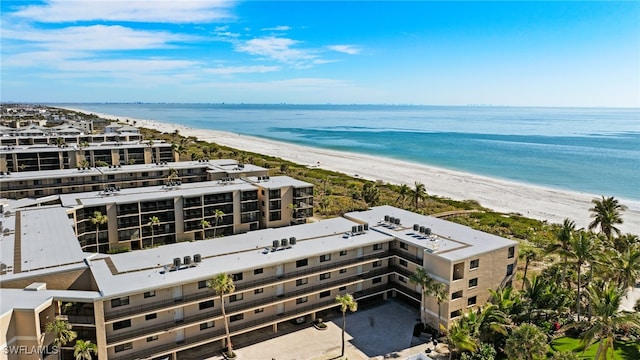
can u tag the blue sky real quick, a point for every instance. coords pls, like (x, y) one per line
(576, 53)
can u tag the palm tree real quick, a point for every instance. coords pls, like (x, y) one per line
(98, 219)
(204, 224)
(627, 267)
(606, 214)
(505, 300)
(153, 221)
(422, 278)
(439, 291)
(606, 302)
(83, 349)
(526, 342)
(217, 215)
(403, 192)
(583, 250)
(529, 254)
(419, 193)
(461, 336)
(563, 243)
(223, 284)
(62, 333)
(346, 301)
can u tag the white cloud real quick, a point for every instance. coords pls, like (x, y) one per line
(127, 65)
(230, 70)
(190, 11)
(95, 37)
(347, 49)
(279, 49)
(277, 28)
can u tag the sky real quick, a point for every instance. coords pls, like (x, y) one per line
(577, 53)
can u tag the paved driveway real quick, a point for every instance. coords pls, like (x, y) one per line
(380, 331)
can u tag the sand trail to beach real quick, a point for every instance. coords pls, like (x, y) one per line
(504, 196)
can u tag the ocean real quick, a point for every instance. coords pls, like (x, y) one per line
(589, 150)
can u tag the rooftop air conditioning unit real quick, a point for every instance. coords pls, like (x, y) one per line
(386, 218)
(366, 226)
(276, 243)
(284, 242)
(197, 258)
(177, 262)
(187, 260)
(292, 240)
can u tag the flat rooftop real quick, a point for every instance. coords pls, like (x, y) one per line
(39, 238)
(448, 240)
(143, 270)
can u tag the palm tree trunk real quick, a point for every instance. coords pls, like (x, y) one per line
(215, 228)
(152, 235)
(97, 238)
(344, 325)
(226, 327)
(524, 276)
(438, 326)
(564, 270)
(578, 300)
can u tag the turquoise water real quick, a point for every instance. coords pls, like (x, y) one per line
(588, 150)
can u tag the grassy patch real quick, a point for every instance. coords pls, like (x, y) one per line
(623, 350)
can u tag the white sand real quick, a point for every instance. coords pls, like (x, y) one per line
(504, 196)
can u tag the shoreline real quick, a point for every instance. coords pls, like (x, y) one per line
(506, 196)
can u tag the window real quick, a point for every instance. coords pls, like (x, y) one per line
(377, 247)
(404, 246)
(342, 271)
(377, 263)
(258, 271)
(458, 271)
(258, 291)
(402, 279)
(300, 282)
(152, 338)
(202, 284)
(121, 324)
(403, 262)
(343, 252)
(258, 311)
(471, 301)
(123, 347)
(206, 304)
(474, 264)
(301, 263)
(511, 252)
(237, 277)
(326, 257)
(207, 325)
(456, 295)
(236, 317)
(343, 288)
(235, 297)
(150, 316)
(376, 281)
(119, 302)
(509, 269)
(325, 276)
(149, 294)
(455, 314)
(473, 282)
(325, 293)
(302, 300)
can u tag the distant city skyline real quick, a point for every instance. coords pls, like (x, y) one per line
(583, 54)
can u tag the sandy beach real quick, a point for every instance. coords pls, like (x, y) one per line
(504, 196)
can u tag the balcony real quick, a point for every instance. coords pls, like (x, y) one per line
(246, 326)
(241, 286)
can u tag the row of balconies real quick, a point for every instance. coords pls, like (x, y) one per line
(243, 286)
(236, 329)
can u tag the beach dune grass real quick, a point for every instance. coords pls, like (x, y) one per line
(623, 350)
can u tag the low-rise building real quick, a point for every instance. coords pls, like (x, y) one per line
(155, 303)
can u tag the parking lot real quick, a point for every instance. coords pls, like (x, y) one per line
(382, 331)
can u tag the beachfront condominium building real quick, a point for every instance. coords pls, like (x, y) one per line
(147, 216)
(34, 184)
(155, 303)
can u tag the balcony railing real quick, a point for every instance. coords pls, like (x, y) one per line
(241, 307)
(240, 287)
(243, 327)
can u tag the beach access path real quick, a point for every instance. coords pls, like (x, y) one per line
(500, 195)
